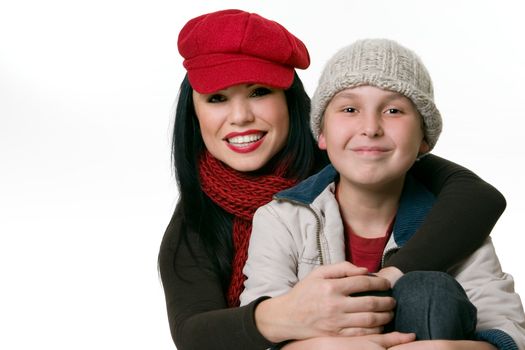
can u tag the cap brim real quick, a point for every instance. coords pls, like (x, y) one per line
(238, 70)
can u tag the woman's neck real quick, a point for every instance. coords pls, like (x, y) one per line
(369, 211)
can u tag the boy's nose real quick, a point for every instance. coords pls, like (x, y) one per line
(372, 126)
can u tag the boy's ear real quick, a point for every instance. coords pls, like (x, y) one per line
(321, 141)
(423, 148)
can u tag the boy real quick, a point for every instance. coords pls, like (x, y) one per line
(374, 114)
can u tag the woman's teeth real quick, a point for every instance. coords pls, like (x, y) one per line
(245, 139)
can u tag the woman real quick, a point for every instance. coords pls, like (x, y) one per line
(241, 135)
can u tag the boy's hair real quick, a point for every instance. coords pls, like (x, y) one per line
(385, 64)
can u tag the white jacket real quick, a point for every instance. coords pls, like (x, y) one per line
(301, 229)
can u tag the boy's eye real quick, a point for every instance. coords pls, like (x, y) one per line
(349, 110)
(215, 98)
(393, 111)
(260, 91)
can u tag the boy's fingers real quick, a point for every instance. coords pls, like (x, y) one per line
(339, 270)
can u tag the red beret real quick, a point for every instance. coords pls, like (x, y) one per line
(231, 47)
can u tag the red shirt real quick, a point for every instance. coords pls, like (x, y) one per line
(365, 252)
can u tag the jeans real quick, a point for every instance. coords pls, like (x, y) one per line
(434, 306)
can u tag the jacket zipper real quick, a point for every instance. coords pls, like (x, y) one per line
(318, 221)
(385, 254)
(318, 236)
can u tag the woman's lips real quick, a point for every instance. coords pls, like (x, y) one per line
(244, 142)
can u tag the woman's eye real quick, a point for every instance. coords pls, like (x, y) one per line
(349, 110)
(260, 91)
(216, 98)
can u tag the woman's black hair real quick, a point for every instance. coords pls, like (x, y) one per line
(201, 216)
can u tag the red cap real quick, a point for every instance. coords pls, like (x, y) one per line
(231, 47)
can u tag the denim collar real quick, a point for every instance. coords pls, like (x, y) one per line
(414, 204)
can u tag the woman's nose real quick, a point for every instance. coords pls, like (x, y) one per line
(241, 113)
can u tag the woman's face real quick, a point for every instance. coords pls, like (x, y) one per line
(243, 126)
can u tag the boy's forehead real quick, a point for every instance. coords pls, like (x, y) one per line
(357, 91)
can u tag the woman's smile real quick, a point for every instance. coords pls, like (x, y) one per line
(244, 125)
(245, 142)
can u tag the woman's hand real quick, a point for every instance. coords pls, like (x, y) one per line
(445, 345)
(365, 342)
(320, 306)
(391, 273)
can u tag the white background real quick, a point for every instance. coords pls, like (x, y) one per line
(86, 190)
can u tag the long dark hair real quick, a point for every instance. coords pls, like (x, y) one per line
(203, 217)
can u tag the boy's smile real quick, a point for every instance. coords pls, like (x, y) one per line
(371, 151)
(372, 136)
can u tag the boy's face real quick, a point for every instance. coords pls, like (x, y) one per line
(372, 136)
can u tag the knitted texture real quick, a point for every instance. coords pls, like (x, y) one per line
(231, 47)
(385, 64)
(239, 194)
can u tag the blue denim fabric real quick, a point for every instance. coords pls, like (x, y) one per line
(434, 306)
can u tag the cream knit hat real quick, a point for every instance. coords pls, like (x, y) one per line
(385, 64)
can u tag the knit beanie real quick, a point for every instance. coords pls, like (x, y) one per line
(385, 64)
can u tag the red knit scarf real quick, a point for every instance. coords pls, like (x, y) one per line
(240, 194)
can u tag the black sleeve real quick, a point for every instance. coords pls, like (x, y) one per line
(198, 315)
(466, 210)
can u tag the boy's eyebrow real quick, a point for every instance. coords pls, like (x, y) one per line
(392, 95)
(344, 94)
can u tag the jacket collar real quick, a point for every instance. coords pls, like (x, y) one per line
(306, 191)
(414, 205)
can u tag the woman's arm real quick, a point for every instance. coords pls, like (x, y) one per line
(198, 315)
(466, 210)
(200, 319)
(367, 342)
(318, 304)
(445, 345)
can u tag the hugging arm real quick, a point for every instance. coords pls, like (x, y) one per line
(200, 319)
(198, 315)
(465, 211)
(308, 303)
